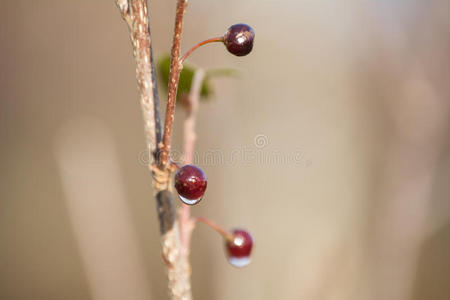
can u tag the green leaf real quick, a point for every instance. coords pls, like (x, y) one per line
(186, 76)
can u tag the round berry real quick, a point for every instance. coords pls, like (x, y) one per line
(190, 182)
(239, 39)
(239, 248)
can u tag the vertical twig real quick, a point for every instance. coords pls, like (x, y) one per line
(134, 12)
(175, 69)
(190, 137)
(191, 116)
(157, 114)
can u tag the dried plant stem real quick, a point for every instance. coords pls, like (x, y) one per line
(175, 69)
(186, 224)
(191, 116)
(134, 12)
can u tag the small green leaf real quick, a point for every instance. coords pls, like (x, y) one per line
(187, 74)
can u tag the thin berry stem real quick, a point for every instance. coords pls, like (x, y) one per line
(211, 40)
(225, 234)
(175, 69)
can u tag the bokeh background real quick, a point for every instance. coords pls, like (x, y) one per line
(331, 147)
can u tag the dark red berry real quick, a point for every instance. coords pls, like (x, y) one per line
(190, 182)
(239, 248)
(239, 39)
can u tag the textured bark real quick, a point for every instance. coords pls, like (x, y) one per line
(135, 13)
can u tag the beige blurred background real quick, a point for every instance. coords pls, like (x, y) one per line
(331, 147)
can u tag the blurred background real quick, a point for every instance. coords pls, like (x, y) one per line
(331, 147)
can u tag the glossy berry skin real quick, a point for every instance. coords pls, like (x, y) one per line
(240, 248)
(190, 183)
(239, 39)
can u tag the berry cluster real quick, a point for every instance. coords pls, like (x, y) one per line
(190, 180)
(190, 183)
